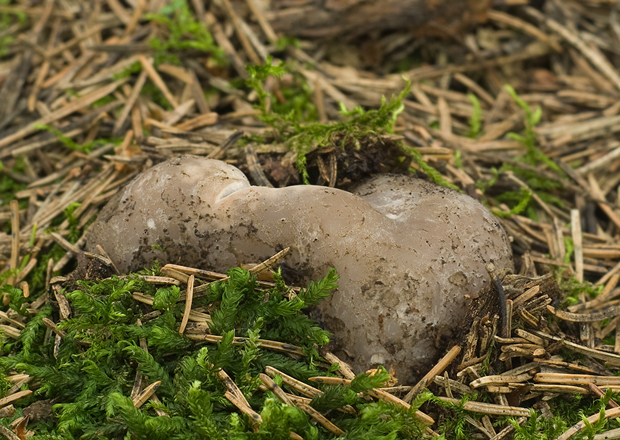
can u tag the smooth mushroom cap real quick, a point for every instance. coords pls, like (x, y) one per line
(407, 251)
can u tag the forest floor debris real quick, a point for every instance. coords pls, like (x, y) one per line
(94, 92)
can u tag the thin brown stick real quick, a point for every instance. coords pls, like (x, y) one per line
(159, 83)
(439, 367)
(15, 245)
(580, 426)
(188, 303)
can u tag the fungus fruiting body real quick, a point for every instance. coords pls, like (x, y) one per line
(408, 252)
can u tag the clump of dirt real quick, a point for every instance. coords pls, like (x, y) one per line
(88, 269)
(343, 163)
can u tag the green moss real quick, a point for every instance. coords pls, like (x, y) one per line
(572, 288)
(475, 122)
(519, 200)
(455, 426)
(8, 18)
(184, 32)
(91, 373)
(295, 122)
(9, 186)
(286, 41)
(533, 155)
(155, 94)
(71, 144)
(134, 68)
(543, 185)
(567, 411)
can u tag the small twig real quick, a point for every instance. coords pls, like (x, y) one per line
(146, 394)
(188, 303)
(436, 370)
(269, 263)
(10, 435)
(255, 168)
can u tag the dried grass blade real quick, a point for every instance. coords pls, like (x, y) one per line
(320, 418)
(580, 426)
(275, 388)
(14, 397)
(188, 303)
(146, 394)
(62, 112)
(439, 367)
(489, 408)
(159, 83)
(606, 313)
(297, 385)
(580, 379)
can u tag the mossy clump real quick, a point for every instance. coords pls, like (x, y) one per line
(85, 371)
(298, 127)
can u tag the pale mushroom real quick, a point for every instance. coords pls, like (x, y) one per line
(408, 252)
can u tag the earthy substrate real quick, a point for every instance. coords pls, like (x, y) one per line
(63, 68)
